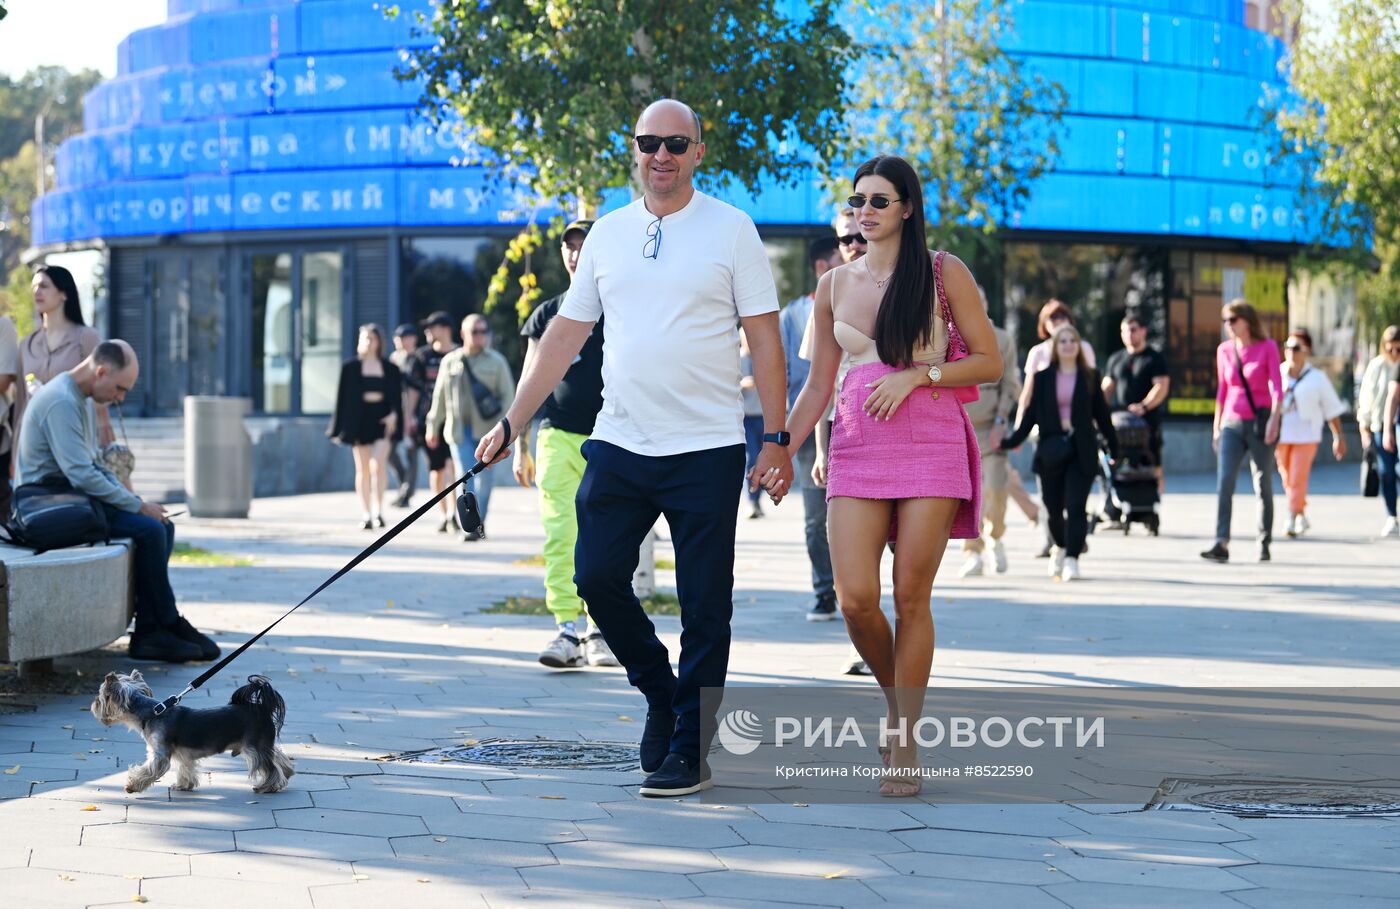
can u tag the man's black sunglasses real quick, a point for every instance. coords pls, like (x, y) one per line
(676, 145)
(877, 202)
(851, 238)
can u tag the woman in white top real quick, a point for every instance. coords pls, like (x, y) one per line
(1308, 401)
(1370, 414)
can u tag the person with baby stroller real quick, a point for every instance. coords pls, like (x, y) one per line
(1136, 383)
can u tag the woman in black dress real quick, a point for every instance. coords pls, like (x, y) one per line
(369, 418)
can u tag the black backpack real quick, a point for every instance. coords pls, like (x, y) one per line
(54, 515)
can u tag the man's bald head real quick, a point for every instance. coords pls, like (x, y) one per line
(663, 174)
(114, 371)
(668, 110)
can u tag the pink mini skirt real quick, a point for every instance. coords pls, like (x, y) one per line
(926, 449)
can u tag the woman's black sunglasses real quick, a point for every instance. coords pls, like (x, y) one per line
(676, 145)
(877, 202)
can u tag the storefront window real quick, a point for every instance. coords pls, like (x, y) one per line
(1202, 283)
(1099, 283)
(298, 330)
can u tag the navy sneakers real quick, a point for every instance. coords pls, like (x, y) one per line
(678, 775)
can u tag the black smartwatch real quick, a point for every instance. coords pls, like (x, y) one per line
(783, 438)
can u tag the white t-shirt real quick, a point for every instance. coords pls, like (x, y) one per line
(1308, 403)
(670, 324)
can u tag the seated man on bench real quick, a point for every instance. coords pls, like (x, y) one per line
(57, 441)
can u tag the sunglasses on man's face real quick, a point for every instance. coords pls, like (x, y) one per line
(880, 203)
(1292, 347)
(1230, 320)
(851, 238)
(676, 145)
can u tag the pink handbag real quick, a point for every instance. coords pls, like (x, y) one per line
(957, 347)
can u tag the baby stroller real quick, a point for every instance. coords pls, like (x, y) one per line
(1132, 481)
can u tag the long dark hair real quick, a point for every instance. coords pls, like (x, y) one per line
(62, 279)
(905, 318)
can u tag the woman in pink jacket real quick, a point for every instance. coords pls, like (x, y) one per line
(1247, 416)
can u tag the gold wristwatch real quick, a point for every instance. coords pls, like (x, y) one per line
(935, 374)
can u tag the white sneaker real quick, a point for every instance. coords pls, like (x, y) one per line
(1071, 570)
(972, 566)
(597, 652)
(854, 664)
(562, 653)
(1303, 525)
(1391, 528)
(999, 557)
(1057, 562)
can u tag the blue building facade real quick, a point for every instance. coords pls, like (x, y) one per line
(254, 182)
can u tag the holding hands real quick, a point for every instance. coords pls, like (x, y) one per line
(890, 390)
(773, 472)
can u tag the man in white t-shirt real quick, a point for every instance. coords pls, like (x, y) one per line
(674, 273)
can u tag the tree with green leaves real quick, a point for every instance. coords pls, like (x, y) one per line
(977, 125)
(57, 95)
(1341, 134)
(550, 91)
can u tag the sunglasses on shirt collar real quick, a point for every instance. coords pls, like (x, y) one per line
(676, 145)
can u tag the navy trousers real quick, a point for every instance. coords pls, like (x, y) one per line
(619, 500)
(154, 541)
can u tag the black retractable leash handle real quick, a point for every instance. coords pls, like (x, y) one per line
(466, 505)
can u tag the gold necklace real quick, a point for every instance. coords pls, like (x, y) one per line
(879, 284)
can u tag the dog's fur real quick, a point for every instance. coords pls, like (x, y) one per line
(247, 725)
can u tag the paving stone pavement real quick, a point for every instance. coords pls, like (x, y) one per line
(398, 657)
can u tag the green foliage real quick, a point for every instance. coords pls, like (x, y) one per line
(656, 604)
(551, 89)
(57, 94)
(1341, 134)
(978, 127)
(185, 554)
(16, 300)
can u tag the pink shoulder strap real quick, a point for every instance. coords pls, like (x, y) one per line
(957, 347)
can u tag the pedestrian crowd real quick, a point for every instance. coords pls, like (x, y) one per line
(667, 381)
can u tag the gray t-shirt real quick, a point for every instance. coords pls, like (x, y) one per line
(58, 439)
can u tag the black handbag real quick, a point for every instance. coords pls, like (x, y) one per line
(54, 515)
(486, 402)
(1261, 417)
(1054, 452)
(1370, 474)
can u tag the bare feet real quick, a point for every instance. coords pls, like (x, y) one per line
(902, 779)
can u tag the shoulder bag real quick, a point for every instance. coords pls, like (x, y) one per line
(53, 515)
(957, 347)
(1261, 417)
(486, 402)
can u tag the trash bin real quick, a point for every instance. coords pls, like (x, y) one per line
(218, 457)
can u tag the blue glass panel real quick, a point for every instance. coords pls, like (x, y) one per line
(1096, 145)
(1055, 28)
(1071, 202)
(1126, 33)
(352, 25)
(1236, 155)
(1066, 71)
(343, 198)
(245, 33)
(212, 90)
(211, 146)
(1169, 93)
(462, 195)
(1107, 88)
(341, 81)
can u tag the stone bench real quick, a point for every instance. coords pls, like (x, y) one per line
(62, 601)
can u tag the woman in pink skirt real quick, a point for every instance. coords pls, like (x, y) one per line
(911, 327)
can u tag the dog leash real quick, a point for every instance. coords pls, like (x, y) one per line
(345, 569)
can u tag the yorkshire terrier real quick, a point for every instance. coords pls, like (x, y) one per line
(247, 725)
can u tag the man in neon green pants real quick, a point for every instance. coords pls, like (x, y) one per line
(569, 414)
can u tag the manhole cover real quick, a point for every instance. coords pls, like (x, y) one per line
(536, 753)
(1255, 798)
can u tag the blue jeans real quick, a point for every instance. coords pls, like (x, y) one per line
(1237, 440)
(1386, 463)
(464, 456)
(153, 542)
(814, 518)
(620, 498)
(753, 446)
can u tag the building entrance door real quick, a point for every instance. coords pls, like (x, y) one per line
(298, 330)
